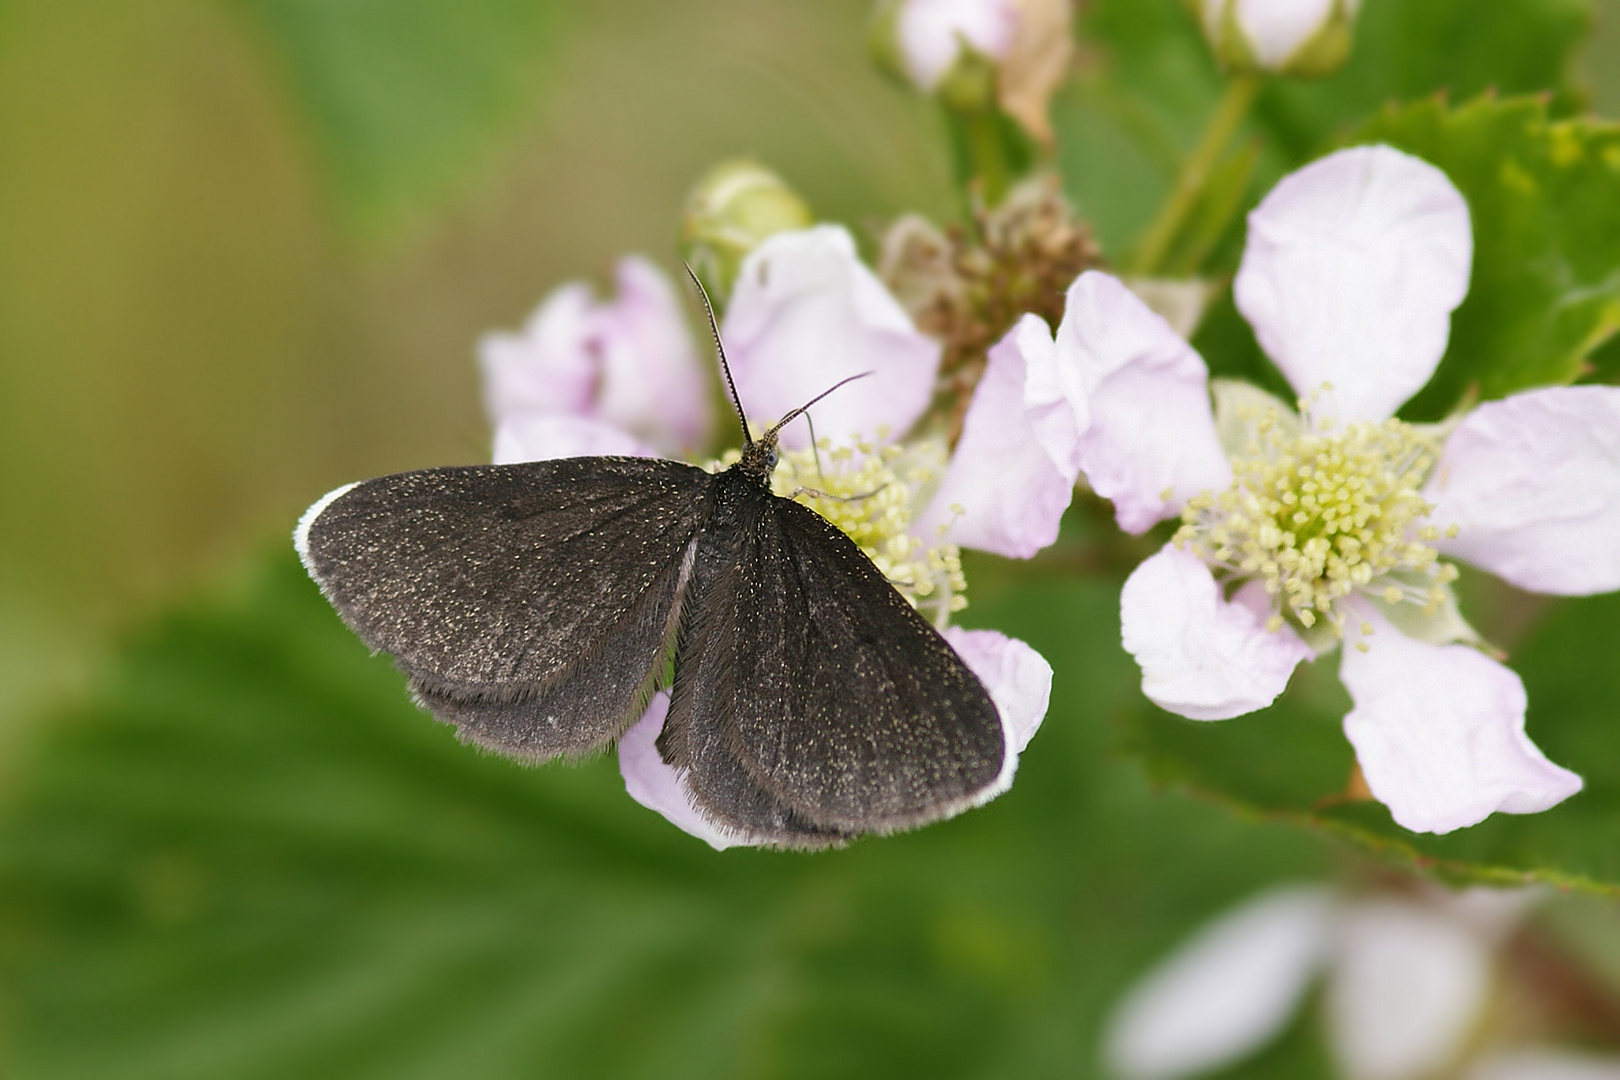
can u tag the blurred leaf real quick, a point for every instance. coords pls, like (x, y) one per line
(1545, 201)
(405, 99)
(1411, 49)
(250, 856)
(1292, 762)
(1125, 123)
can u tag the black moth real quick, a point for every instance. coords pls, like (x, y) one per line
(536, 607)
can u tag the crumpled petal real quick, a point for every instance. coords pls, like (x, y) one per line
(1406, 989)
(931, 33)
(1202, 656)
(541, 437)
(628, 362)
(1013, 472)
(1151, 445)
(806, 313)
(1545, 1064)
(1275, 29)
(1439, 730)
(1353, 267)
(1533, 485)
(1019, 679)
(657, 786)
(1226, 992)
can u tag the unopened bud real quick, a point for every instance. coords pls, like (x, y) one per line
(730, 211)
(1305, 38)
(924, 41)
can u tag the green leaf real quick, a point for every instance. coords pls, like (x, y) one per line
(249, 856)
(404, 100)
(1411, 49)
(1126, 122)
(1291, 762)
(1544, 196)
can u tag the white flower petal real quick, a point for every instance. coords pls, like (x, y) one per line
(541, 437)
(1014, 469)
(931, 33)
(1202, 656)
(1226, 992)
(1151, 445)
(1406, 987)
(652, 382)
(1545, 1064)
(1019, 679)
(1353, 267)
(657, 786)
(1439, 730)
(547, 367)
(1533, 485)
(806, 313)
(1275, 29)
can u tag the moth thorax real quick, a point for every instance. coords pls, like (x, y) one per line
(1319, 515)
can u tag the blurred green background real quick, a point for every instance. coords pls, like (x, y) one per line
(246, 247)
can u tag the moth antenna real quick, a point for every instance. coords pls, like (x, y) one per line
(719, 347)
(790, 417)
(814, 449)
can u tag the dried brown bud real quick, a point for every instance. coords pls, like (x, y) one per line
(967, 285)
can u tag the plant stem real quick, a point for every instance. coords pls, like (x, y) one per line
(1223, 123)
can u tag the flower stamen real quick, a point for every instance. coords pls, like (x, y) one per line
(1319, 513)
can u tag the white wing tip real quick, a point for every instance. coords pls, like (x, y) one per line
(301, 533)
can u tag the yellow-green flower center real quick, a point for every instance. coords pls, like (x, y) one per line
(871, 493)
(1319, 515)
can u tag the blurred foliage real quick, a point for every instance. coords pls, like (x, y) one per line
(406, 98)
(249, 856)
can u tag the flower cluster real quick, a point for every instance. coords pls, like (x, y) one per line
(1304, 530)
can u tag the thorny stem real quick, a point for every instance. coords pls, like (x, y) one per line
(1223, 123)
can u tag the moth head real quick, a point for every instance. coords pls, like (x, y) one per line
(759, 457)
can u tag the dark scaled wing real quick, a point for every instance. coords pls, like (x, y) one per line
(811, 702)
(531, 605)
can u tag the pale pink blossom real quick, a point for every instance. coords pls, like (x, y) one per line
(1352, 269)
(805, 313)
(627, 364)
(1407, 978)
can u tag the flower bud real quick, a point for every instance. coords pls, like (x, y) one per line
(926, 41)
(1306, 38)
(730, 211)
(975, 55)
